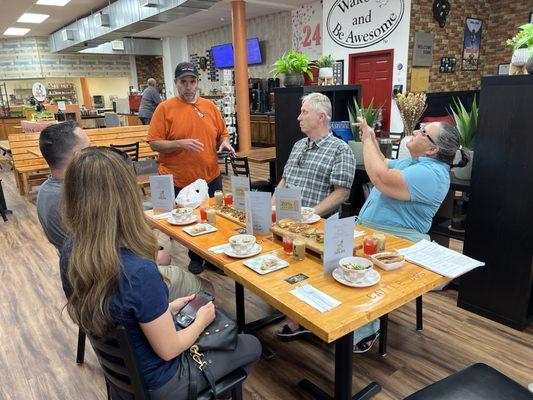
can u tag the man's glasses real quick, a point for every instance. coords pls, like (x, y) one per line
(200, 114)
(425, 134)
(300, 159)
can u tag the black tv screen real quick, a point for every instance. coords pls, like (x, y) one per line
(223, 54)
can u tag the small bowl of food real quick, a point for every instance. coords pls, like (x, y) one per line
(355, 268)
(242, 244)
(181, 214)
(388, 260)
(307, 213)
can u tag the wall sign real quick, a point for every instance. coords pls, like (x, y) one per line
(362, 23)
(423, 49)
(306, 30)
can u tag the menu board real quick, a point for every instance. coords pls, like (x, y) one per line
(288, 203)
(239, 186)
(162, 192)
(338, 241)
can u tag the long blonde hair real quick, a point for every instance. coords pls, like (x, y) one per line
(102, 208)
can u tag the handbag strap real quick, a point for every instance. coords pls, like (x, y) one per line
(203, 366)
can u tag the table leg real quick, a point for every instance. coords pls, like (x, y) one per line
(343, 376)
(419, 319)
(239, 306)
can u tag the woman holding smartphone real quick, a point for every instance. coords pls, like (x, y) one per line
(108, 269)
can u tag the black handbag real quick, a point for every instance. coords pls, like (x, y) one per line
(220, 335)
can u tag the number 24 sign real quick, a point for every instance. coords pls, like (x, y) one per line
(310, 36)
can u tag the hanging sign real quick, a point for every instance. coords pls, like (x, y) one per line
(362, 23)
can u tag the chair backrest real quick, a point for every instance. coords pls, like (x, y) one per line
(116, 357)
(132, 149)
(396, 139)
(112, 120)
(240, 166)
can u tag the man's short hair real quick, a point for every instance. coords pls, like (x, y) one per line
(320, 102)
(57, 143)
(151, 82)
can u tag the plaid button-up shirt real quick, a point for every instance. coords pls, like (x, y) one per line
(316, 167)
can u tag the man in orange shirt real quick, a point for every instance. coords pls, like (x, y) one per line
(188, 131)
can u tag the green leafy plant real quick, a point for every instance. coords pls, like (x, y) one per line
(292, 62)
(326, 61)
(465, 123)
(370, 113)
(523, 38)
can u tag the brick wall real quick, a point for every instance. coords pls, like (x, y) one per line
(500, 22)
(149, 67)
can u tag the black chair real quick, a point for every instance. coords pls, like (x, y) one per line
(396, 143)
(477, 382)
(241, 167)
(3, 206)
(132, 149)
(117, 359)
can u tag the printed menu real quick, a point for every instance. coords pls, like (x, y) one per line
(162, 192)
(288, 203)
(338, 241)
(258, 212)
(239, 185)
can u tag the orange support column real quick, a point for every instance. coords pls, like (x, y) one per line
(86, 94)
(238, 20)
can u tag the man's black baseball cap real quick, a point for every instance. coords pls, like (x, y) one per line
(185, 69)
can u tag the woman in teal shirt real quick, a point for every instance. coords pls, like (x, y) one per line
(407, 193)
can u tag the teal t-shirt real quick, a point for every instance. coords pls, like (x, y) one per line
(428, 181)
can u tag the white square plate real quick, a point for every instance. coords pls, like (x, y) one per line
(191, 230)
(255, 264)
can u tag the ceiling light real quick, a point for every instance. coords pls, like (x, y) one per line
(32, 18)
(16, 31)
(59, 3)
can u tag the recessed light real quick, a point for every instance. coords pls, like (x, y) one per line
(32, 18)
(16, 31)
(59, 3)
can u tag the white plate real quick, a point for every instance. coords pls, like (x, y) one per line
(374, 278)
(255, 264)
(255, 250)
(387, 266)
(190, 231)
(192, 219)
(312, 220)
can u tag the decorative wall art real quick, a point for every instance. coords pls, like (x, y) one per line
(472, 44)
(338, 72)
(447, 64)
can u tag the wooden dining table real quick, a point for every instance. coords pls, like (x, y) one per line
(358, 305)
(263, 155)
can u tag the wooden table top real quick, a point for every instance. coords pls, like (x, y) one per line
(260, 155)
(201, 244)
(359, 305)
(36, 152)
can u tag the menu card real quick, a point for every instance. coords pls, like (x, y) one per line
(288, 203)
(338, 241)
(258, 212)
(239, 185)
(162, 192)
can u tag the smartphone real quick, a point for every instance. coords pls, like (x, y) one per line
(187, 314)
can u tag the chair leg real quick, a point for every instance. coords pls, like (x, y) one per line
(419, 316)
(3, 212)
(236, 392)
(383, 326)
(80, 354)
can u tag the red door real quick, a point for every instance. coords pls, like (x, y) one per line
(373, 71)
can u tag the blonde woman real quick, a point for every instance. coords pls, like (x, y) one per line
(109, 272)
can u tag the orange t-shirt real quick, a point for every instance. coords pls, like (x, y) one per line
(174, 119)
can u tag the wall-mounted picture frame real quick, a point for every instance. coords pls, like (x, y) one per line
(338, 72)
(503, 69)
(472, 44)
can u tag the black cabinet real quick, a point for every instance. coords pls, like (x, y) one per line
(287, 106)
(500, 211)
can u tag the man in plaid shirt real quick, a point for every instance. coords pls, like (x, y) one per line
(322, 165)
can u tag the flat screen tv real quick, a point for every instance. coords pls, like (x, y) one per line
(223, 54)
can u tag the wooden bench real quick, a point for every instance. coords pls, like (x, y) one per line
(30, 166)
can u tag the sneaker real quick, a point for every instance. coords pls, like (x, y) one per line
(211, 267)
(196, 267)
(286, 334)
(366, 344)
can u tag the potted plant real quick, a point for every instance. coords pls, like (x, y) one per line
(522, 43)
(371, 115)
(411, 107)
(325, 73)
(292, 65)
(467, 125)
